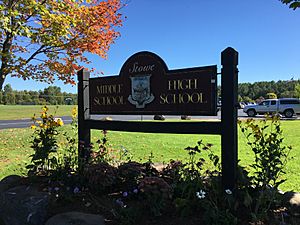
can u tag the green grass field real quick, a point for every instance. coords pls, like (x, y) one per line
(11, 112)
(15, 148)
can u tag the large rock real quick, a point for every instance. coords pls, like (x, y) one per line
(292, 202)
(23, 205)
(75, 218)
(9, 182)
(186, 117)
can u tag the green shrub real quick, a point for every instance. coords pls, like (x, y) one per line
(44, 143)
(265, 138)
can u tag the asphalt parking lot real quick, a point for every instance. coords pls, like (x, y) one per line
(8, 124)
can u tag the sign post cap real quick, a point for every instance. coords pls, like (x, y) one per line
(229, 56)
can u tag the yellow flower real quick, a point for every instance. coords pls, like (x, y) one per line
(74, 112)
(33, 127)
(44, 115)
(44, 126)
(59, 122)
(45, 109)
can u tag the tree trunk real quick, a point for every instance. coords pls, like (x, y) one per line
(2, 78)
(5, 56)
(3, 72)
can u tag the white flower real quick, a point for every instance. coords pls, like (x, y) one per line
(228, 191)
(200, 194)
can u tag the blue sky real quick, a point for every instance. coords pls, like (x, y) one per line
(194, 33)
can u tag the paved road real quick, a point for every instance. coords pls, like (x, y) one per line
(23, 123)
(6, 124)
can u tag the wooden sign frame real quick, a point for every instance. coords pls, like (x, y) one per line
(227, 127)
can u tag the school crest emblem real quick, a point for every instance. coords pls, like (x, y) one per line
(140, 91)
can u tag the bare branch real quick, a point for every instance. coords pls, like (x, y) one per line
(35, 53)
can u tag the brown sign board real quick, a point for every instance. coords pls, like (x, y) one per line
(146, 86)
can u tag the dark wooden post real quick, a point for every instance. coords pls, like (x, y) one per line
(84, 132)
(229, 139)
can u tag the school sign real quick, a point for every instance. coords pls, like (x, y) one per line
(145, 86)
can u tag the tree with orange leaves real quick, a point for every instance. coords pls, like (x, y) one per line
(42, 39)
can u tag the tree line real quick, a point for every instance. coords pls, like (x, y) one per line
(51, 95)
(250, 92)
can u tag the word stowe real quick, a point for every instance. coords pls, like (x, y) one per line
(146, 86)
(137, 68)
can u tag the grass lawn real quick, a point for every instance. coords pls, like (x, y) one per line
(10, 112)
(15, 148)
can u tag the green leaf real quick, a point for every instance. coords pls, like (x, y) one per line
(295, 5)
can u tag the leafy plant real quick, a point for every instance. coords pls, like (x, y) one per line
(104, 152)
(171, 173)
(219, 205)
(67, 157)
(191, 179)
(100, 177)
(130, 173)
(156, 193)
(265, 138)
(204, 188)
(44, 143)
(150, 171)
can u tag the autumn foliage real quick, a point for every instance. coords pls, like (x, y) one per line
(41, 39)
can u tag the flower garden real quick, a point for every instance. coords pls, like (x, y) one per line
(127, 192)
